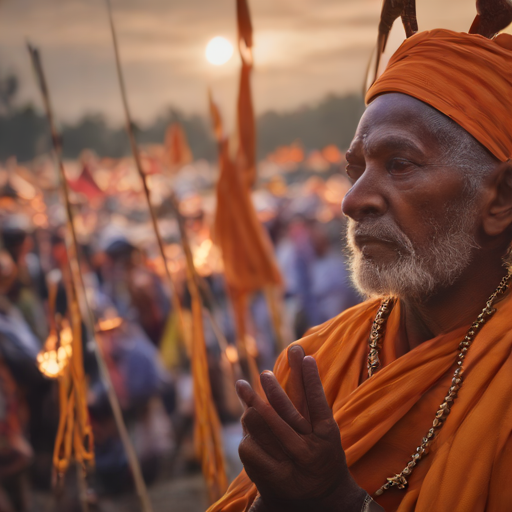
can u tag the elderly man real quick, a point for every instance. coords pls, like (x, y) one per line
(417, 381)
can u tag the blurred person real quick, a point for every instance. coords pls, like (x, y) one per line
(29, 290)
(332, 289)
(140, 382)
(136, 291)
(15, 451)
(303, 259)
(316, 280)
(358, 426)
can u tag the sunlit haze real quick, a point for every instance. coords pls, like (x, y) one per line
(304, 49)
(218, 51)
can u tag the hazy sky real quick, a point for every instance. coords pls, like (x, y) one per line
(304, 49)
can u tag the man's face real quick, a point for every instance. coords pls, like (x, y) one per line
(412, 222)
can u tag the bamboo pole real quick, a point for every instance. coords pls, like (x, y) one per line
(82, 487)
(136, 155)
(138, 164)
(207, 422)
(191, 273)
(77, 281)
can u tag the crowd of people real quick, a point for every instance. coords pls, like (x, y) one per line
(136, 322)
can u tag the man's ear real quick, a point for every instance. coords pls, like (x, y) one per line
(499, 213)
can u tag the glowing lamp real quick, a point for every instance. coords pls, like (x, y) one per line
(57, 351)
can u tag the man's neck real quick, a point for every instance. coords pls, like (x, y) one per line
(452, 308)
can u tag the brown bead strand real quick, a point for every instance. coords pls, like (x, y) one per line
(376, 336)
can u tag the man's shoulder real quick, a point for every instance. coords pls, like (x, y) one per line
(351, 317)
(353, 323)
(336, 340)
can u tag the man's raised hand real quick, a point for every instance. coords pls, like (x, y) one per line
(291, 448)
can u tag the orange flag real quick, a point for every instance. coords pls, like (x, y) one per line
(246, 153)
(249, 263)
(176, 146)
(216, 118)
(207, 434)
(243, 17)
(246, 249)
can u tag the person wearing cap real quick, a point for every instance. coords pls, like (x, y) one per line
(403, 403)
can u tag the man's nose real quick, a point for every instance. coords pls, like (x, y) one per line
(365, 198)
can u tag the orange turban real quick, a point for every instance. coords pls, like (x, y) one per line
(466, 77)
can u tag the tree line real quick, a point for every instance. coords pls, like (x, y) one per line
(24, 131)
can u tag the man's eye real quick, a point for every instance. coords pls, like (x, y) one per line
(354, 171)
(399, 166)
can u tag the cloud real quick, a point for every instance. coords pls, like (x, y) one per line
(304, 49)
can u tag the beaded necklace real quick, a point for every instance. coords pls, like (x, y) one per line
(373, 364)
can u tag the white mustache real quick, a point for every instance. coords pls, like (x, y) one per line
(379, 230)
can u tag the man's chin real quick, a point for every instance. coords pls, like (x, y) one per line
(380, 255)
(377, 279)
(371, 262)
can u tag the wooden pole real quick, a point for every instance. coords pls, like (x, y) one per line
(191, 273)
(77, 281)
(138, 164)
(208, 427)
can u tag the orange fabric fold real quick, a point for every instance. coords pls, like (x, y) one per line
(383, 419)
(249, 263)
(465, 76)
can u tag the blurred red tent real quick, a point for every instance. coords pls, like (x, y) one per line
(86, 185)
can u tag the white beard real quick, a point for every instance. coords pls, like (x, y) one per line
(416, 273)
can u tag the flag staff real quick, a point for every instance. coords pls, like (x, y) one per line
(138, 164)
(208, 438)
(77, 282)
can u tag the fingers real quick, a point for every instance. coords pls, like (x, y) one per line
(245, 393)
(289, 439)
(319, 409)
(295, 381)
(255, 426)
(257, 462)
(279, 400)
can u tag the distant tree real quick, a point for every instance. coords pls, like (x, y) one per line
(24, 134)
(332, 121)
(24, 131)
(93, 132)
(9, 86)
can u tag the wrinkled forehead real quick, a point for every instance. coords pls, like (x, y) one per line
(402, 118)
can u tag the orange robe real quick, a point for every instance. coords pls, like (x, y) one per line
(383, 419)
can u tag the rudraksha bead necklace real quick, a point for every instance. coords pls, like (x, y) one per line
(400, 480)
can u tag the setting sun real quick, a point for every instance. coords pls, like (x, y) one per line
(218, 51)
